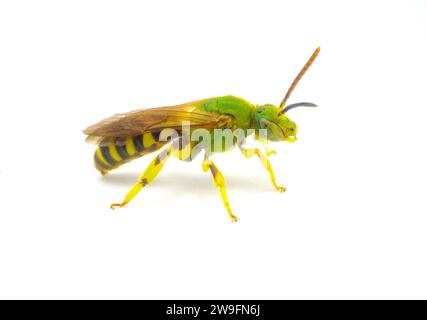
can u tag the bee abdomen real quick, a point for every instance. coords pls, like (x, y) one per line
(112, 154)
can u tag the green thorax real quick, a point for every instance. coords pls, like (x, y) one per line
(239, 108)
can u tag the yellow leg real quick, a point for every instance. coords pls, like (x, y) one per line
(249, 153)
(270, 152)
(219, 181)
(149, 174)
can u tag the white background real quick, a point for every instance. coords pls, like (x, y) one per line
(351, 225)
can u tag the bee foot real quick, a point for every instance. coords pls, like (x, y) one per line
(270, 152)
(234, 218)
(115, 205)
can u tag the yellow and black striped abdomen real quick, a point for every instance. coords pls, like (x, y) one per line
(113, 154)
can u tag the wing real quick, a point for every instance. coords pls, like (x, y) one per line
(155, 119)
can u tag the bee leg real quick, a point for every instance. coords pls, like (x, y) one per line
(249, 153)
(270, 152)
(219, 181)
(147, 177)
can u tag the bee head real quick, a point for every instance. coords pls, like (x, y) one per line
(277, 126)
(274, 119)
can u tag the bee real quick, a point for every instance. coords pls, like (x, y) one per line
(125, 137)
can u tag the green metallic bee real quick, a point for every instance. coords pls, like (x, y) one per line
(128, 136)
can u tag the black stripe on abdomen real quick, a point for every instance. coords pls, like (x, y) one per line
(99, 163)
(137, 142)
(107, 156)
(156, 135)
(101, 166)
(121, 150)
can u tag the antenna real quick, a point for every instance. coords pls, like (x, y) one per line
(298, 77)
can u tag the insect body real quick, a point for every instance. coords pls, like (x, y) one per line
(125, 137)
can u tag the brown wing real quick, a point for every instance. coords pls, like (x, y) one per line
(154, 119)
